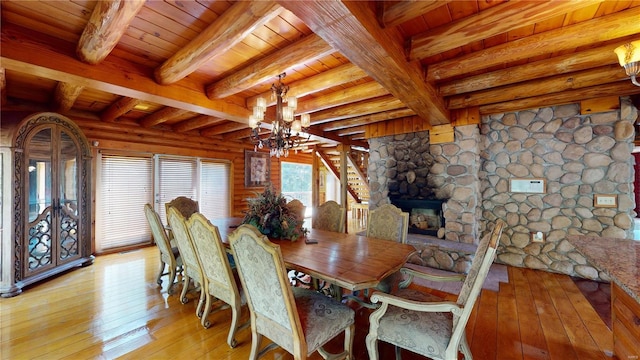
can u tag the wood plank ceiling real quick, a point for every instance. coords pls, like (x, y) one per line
(198, 66)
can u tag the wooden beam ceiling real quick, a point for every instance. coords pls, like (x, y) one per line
(352, 29)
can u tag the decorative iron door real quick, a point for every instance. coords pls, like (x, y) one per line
(52, 228)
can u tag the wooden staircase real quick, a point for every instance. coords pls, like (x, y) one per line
(357, 180)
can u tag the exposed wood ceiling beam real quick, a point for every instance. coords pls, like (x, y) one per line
(370, 106)
(21, 105)
(119, 108)
(395, 13)
(366, 119)
(108, 22)
(360, 92)
(604, 28)
(196, 122)
(550, 85)
(223, 128)
(310, 48)
(556, 65)
(316, 134)
(235, 24)
(490, 22)
(350, 131)
(352, 29)
(231, 135)
(620, 88)
(19, 45)
(163, 115)
(324, 80)
(65, 95)
(3, 86)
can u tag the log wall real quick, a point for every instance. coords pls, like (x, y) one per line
(128, 137)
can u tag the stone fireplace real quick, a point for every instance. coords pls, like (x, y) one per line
(406, 168)
(438, 185)
(425, 216)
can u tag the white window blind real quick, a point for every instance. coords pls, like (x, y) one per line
(176, 178)
(126, 186)
(214, 189)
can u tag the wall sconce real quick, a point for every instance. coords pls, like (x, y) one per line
(629, 58)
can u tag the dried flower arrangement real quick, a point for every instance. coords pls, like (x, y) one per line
(269, 213)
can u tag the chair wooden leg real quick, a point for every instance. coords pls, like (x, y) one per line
(207, 309)
(201, 300)
(185, 287)
(348, 340)
(398, 352)
(172, 279)
(235, 317)
(372, 347)
(465, 349)
(159, 279)
(255, 343)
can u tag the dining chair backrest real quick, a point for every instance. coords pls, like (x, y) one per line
(480, 265)
(219, 280)
(191, 263)
(184, 205)
(169, 257)
(388, 222)
(277, 308)
(330, 217)
(297, 208)
(441, 324)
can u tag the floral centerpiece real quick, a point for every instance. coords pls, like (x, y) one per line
(270, 214)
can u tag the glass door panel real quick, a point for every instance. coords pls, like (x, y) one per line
(39, 228)
(68, 196)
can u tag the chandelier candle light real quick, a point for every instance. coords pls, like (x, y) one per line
(629, 58)
(285, 129)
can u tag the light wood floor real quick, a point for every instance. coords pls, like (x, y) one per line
(114, 309)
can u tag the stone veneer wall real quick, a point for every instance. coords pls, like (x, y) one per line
(578, 155)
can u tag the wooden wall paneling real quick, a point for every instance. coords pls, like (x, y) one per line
(592, 106)
(441, 134)
(465, 116)
(126, 137)
(626, 324)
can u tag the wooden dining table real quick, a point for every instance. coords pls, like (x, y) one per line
(352, 262)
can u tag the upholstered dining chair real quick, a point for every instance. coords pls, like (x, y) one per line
(219, 279)
(191, 264)
(169, 256)
(184, 205)
(388, 222)
(425, 324)
(299, 320)
(297, 207)
(329, 216)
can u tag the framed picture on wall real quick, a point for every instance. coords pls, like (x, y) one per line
(257, 167)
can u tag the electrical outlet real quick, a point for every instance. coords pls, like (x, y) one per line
(605, 200)
(537, 236)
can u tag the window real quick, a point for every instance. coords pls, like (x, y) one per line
(125, 187)
(175, 178)
(296, 183)
(214, 189)
(127, 183)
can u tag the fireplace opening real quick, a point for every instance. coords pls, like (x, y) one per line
(425, 216)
